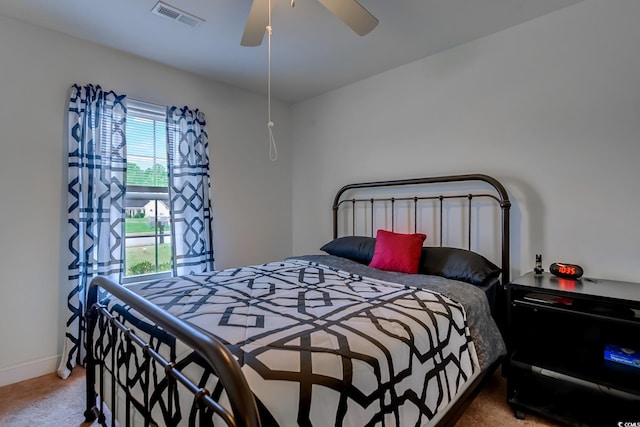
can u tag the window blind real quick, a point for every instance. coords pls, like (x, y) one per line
(146, 144)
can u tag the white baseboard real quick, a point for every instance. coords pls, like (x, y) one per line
(28, 370)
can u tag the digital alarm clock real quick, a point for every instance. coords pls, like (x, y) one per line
(567, 271)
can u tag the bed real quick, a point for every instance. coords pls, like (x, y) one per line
(363, 334)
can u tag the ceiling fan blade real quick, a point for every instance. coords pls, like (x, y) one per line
(353, 14)
(256, 23)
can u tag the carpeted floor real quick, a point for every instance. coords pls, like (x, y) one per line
(44, 401)
(50, 401)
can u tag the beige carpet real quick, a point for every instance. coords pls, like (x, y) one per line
(50, 401)
(44, 401)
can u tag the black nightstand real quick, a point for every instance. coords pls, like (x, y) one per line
(558, 333)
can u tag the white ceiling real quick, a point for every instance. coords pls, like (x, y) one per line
(312, 50)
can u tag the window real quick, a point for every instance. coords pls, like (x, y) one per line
(148, 253)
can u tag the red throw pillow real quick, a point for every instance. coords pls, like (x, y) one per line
(397, 252)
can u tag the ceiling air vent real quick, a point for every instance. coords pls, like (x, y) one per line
(175, 14)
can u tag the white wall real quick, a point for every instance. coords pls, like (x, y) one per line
(251, 194)
(550, 107)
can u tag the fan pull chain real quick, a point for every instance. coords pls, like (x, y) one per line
(273, 150)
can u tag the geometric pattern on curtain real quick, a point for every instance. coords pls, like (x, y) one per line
(96, 211)
(189, 191)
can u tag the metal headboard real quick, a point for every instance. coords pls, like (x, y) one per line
(500, 196)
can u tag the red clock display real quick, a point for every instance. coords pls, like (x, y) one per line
(568, 271)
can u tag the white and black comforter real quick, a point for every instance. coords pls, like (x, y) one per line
(321, 342)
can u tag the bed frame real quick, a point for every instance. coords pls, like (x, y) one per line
(499, 195)
(125, 345)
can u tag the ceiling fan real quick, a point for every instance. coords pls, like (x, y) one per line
(350, 12)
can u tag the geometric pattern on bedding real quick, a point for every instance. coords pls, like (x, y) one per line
(320, 346)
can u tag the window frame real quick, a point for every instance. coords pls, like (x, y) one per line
(156, 113)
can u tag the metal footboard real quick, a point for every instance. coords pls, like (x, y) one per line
(123, 341)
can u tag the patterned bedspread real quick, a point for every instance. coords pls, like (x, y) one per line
(323, 346)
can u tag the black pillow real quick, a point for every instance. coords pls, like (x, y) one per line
(457, 264)
(355, 248)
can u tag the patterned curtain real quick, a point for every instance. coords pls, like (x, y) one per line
(189, 187)
(96, 211)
